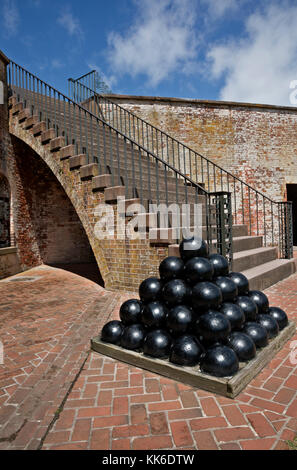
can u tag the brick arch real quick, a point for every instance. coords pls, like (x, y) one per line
(78, 194)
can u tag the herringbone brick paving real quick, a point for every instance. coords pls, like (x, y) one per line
(112, 405)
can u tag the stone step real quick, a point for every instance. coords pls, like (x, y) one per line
(57, 143)
(88, 171)
(247, 243)
(17, 108)
(38, 128)
(251, 258)
(76, 161)
(67, 152)
(30, 122)
(12, 100)
(112, 193)
(263, 276)
(100, 182)
(239, 244)
(24, 114)
(47, 136)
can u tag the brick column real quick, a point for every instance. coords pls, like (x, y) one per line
(4, 61)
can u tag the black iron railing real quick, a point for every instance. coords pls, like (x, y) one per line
(264, 217)
(146, 176)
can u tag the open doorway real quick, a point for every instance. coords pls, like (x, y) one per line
(292, 196)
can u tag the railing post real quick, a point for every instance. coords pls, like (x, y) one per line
(287, 223)
(223, 224)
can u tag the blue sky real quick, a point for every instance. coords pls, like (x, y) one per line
(239, 50)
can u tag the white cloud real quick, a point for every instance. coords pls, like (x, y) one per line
(161, 41)
(260, 67)
(218, 8)
(70, 23)
(56, 64)
(11, 17)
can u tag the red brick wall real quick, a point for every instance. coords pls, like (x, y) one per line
(59, 235)
(254, 142)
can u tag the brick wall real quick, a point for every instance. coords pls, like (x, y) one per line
(123, 264)
(9, 257)
(256, 143)
(59, 234)
(9, 262)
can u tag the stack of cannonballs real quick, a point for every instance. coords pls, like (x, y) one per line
(197, 314)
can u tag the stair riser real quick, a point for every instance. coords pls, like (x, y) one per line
(263, 281)
(247, 244)
(250, 261)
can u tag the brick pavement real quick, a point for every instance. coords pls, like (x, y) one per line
(111, 405)
(45, 326)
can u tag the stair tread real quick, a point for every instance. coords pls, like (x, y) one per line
(266, 267)
(254, 251)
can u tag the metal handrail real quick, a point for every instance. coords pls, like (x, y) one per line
(128, 162)
(152, 154)
(94, 93)
(86, 96)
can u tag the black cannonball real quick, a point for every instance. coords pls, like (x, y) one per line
(228, 288)
(212, 326)
(280, 316)
(242, 345)
(260, 300)
(154, 315)
(112, 332)
(130, 312)
(186, 351)
(150, 289)
(205, 296)
(248, 306)
(234, 313)
(257, 333)
(269, 323)
(179, 319)
(175, 292)
(157, 343)
(220, 265)
(133, 337)
(192, 247)
(171, 268)
(197, 270)
(219, 361)
(241, 281)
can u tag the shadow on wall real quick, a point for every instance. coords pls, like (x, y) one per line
(55, 226)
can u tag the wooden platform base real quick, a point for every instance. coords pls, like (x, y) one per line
(227, 386)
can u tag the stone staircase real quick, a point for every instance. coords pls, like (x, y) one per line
(115, 167)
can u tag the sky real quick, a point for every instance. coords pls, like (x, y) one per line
(233, 50)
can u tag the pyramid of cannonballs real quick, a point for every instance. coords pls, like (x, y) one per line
(197, 314)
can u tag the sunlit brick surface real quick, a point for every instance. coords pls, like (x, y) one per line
(49, 398)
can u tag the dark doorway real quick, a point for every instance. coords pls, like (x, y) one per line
(292, 196)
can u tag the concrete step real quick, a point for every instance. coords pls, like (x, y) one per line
(247, 243)
(250, 258)
(239, 244)
(24, 114)
(263, 276)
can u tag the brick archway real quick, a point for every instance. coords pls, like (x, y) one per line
(52, 226)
